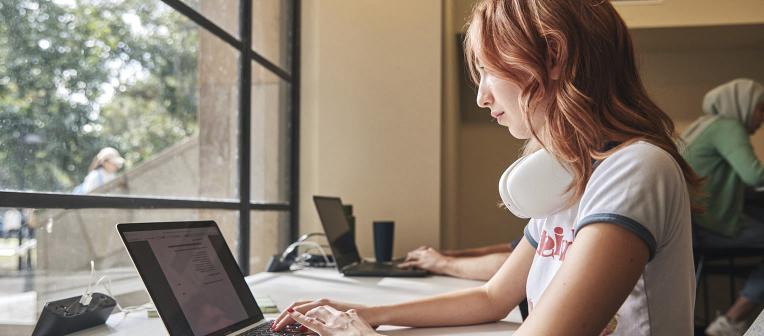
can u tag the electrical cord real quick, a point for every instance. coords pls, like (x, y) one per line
(87, 296)
(290, 250)
(300, 261)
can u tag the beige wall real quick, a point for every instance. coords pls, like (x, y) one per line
(678, 77)
(371, 115)
(476, 151)
(682, 13)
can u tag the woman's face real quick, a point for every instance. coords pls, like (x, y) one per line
(110, 167)
(502, 97)
(757, 117)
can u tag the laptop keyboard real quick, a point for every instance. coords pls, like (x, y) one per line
(265, 330)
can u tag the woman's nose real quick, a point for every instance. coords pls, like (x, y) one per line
(484, 98)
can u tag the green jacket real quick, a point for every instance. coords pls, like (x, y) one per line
(723, 154)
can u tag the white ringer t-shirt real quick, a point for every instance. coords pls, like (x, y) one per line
(642, 189)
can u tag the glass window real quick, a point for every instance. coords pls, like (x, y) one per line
(133, 98)
(271, 22)
(224, 13)
(135, 76)
(270, 136)
(52, 260)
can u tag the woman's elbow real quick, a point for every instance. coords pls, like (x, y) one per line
(500, 314)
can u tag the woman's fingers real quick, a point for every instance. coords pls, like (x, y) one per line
(414, 255)
(408, 264)
(285, 318)
(321, 313)
(285, 314)
(309, 322)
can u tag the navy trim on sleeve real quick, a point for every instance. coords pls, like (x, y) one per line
(528, 236)
(624, 222)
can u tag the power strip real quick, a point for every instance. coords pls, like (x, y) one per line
(69, 315)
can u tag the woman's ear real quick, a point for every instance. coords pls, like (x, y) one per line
(554, 58)
(554, 72)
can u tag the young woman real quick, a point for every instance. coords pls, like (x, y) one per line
(103, 169)
(617, 259)
(719, 148)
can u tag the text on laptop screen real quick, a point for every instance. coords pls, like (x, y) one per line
(192, 270)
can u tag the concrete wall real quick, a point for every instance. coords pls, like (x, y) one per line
(69, 239)
(371, 115)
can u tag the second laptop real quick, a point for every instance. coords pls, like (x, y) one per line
(343, 246)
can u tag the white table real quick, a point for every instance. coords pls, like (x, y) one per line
(284, 288)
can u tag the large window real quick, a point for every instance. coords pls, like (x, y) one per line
(143, 110)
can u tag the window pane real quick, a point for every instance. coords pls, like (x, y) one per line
(59, 244)
(223, 13)
(80, 76)
(270, 137)
(271, 25)
(269, 235)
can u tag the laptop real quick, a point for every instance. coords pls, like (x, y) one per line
(343, 246)
(193, 279)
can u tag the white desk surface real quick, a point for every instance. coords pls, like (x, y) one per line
(284, 288)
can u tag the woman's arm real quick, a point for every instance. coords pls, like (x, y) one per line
(734, 144)
(490, 302)
(479, 251)
(473, 268)
(599, 272)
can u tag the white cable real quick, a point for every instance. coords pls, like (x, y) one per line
(314, 245)
(302, 238)
(85, 298)
(125, 310)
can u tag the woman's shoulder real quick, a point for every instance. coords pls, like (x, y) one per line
(640, 158)
(642, 152)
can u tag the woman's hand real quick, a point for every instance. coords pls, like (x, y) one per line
(285, 318)
(426, 258)
(326, 320)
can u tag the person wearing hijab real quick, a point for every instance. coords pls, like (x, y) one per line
(718, 147)
(103, 169)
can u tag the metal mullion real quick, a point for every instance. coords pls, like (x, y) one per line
(216, 30)
(245, 127)
(275, 69)
(205, 23)
(43, 200)
(294, 163)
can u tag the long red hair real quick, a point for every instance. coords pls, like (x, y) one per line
(598, 97)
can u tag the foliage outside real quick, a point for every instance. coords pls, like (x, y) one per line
(79, 75)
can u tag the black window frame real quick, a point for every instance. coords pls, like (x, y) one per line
(24, 199)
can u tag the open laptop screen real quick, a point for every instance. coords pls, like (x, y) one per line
(337, 230)
(192, 277)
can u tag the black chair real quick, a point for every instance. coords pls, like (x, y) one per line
(703, 254)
